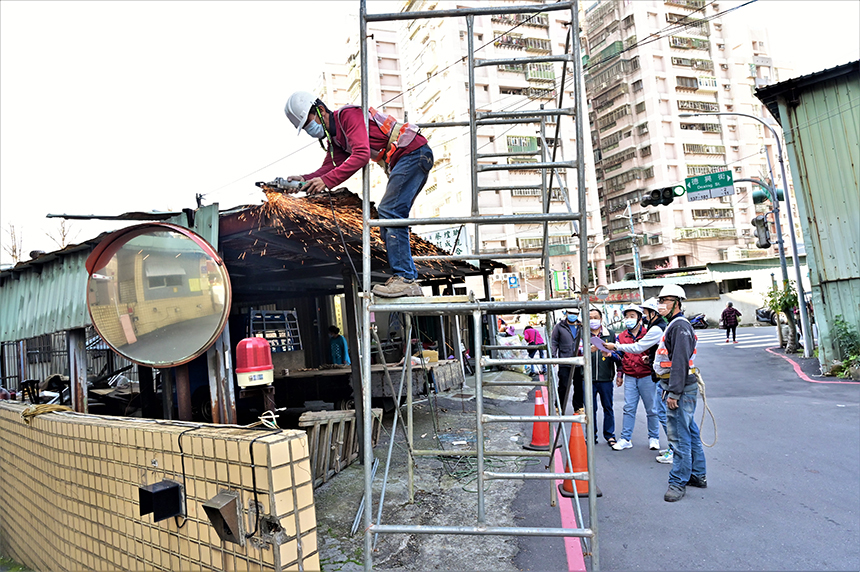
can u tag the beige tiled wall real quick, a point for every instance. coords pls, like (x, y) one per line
(70, 485)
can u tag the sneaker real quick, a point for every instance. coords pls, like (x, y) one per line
(666, 458)
(674, 493)
(654, 444)
(622, 444)
(736, 341)
(727, 340)
(700, 482)
(398, 286)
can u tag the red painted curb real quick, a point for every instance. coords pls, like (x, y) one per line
(802, 375)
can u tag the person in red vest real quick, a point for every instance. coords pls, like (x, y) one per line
(637, 383)
(397, 147)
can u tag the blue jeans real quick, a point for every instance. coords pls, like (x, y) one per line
(660, 407)
(404, 183)
(685, 440)
(636, 388)
(604, 390)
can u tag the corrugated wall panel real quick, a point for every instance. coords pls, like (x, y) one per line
(823, 143)
(51, 301)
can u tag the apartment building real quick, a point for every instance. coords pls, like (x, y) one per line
(339, 84)
(433, 54)
(648, 62)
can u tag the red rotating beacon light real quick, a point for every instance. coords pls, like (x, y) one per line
(254, 362)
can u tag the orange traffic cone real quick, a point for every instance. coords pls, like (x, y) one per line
(578, 457)
(540, 429)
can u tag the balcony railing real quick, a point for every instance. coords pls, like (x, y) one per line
(700, 233)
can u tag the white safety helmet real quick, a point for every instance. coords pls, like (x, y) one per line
(650, 304)
(298, 106)
(672, 290)
(632, 308)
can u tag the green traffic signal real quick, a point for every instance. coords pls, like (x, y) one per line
(759, 196)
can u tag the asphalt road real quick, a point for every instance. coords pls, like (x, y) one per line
(783, 478)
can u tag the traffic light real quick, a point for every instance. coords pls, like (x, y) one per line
(663, 196)
(761, 232)
(760, 196)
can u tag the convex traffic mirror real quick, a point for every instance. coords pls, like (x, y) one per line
(158, 294)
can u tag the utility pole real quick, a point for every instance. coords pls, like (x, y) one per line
(637, 265)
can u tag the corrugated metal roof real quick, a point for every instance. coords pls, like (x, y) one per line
(820, 116)
(44, 299)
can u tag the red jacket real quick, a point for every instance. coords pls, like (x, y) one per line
(352, 146)
(633, 364)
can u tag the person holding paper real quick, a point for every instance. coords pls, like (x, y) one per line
(603, 366)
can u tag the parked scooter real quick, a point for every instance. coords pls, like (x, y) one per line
(699, 321)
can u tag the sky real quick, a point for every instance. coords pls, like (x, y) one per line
(110, 107)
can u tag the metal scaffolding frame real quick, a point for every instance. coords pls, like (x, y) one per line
(456, 306)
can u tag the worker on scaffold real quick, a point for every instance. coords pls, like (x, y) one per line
(397, 147)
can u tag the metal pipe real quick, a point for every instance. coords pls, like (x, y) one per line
(434, 125)
(511, 256)
(470, 12)
(461, 355)
(410, 462)
(365, 301)
(539, 361)
(479, 412)
(527, 383)
(532, 418)
(580, 476)
(484, 530)
(473, 137)
(542, 112)
(523, 166)
(477, 219)
(511, 188)
(583, 272)
(527, 60)
(801, 294)
(534, 347)
(512, 121)
(472, 453)
(503, 307)
(391, 440)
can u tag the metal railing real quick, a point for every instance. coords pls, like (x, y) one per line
(442, 305)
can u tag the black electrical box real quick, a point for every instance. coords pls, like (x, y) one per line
(163, 499)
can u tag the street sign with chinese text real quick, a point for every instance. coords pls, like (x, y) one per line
(559, 280)
(454, 239)
(710, 186)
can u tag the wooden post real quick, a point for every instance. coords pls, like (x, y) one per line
(167, 393)
(146, 382)
(76, 341)
(221, 392)
(183, 392)
(351, 298)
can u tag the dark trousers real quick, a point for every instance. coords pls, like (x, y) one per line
(733, 330)
(564, 382)
(604, 389)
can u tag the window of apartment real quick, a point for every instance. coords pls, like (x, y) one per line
(730, 107)
(640, 107)
(637, 85)
(645, 151)
(642, 128)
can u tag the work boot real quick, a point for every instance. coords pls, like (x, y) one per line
(398, 286)
(675, 493)
(700, 482)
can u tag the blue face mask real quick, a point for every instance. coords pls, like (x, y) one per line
(630, 323)
(315, 130)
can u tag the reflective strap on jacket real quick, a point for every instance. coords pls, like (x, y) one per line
(399, 135)
(662, 363)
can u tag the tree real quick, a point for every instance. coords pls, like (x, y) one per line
(62, 236)
(15, 247)
(784, 301)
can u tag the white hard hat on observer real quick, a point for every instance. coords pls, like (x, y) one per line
(673, 290)
(650, 304)
(632, 308)
(298, 106)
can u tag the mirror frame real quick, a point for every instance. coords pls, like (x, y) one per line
(113, 242)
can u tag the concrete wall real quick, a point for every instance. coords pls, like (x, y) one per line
(71, 484)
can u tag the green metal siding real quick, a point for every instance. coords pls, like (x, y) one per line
(822, 132)
(45, 302)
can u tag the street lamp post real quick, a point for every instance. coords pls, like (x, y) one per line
(804, 317)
